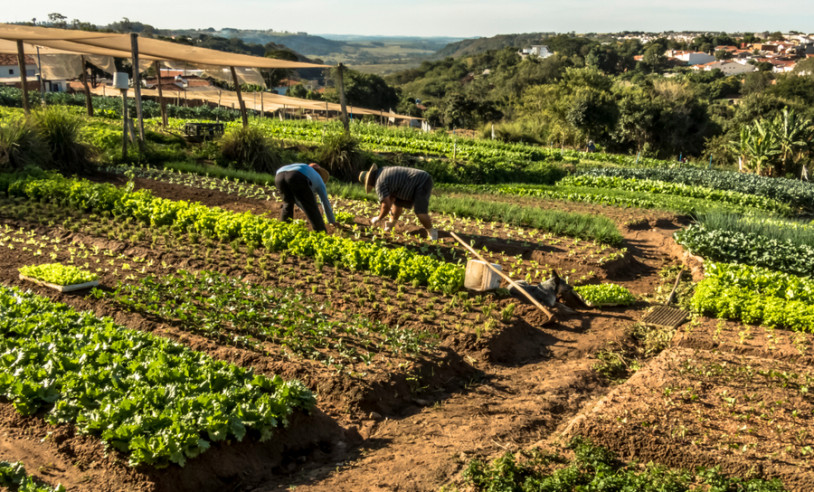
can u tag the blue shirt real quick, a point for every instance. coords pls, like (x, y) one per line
(317, 186)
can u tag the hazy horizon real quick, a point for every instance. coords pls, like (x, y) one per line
(424, 18)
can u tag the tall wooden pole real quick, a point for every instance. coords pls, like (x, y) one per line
(23, 79)
(39, 77)
(161, 102)
(262, 107)
(88, 98)
(124, 125)
(137, 86)
(240, 99)
(341, 85)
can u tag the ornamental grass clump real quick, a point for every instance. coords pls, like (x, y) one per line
(249, 149)
(21, 146)
(59, 131)
(341, 156)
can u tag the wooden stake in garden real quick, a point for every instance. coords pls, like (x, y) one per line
(23, 79)
(505, 277)
(161, 103)
(137, 87)
(240, 98)
(341, 87)
(88, 98)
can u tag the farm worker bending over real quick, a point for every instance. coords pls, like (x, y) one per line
(399, 187)
(298, 183)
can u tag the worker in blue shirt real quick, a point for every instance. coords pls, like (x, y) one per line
(298, 183)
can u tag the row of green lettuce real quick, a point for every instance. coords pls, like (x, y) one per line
(153, 399)
(639, 193)
(13, 477)
(789, 191)
(748, 248)
(756, 295)
(293, 238)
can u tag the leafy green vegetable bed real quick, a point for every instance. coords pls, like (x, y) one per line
(793, 192)
(149, 397)
(14, 477)
(748, 248)
(679, 189)
(605, 295)
(398, 263)
(616, 197)
(756, 295)
(58, 274)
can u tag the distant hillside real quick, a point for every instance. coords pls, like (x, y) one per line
(374, 53)
(467, 47)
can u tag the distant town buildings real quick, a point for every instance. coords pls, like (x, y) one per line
(538, 50)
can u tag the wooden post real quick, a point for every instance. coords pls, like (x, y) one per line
(88, 98)
(341, 86)
(262, 107)
(124, 124)
(161, 102)
(240, 98)
(23, 79)
(39, 77)
(137, 86)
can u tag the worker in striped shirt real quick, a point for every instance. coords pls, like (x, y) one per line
(298, 183)
(399, 187)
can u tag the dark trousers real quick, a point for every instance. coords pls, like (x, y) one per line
(296, 189)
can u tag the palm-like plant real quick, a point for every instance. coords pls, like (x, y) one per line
(793, 136)
(761, 146)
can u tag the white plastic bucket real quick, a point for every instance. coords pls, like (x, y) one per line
(121, 80)
(479, 277)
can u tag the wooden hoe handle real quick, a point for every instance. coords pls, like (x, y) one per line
(505, 277)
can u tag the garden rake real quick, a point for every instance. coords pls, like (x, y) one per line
(666, 316)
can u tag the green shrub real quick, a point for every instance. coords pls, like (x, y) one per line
(21, 146)
(60, 130)
(341, 156)
(249, 149)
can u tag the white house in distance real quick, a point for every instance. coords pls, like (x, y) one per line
(538, 50)
(728, 67)
(10, 69)
(690, 57)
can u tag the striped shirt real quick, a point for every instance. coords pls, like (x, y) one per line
(400, 182)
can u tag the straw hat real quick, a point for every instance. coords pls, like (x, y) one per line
(323, 173)
(366, 178)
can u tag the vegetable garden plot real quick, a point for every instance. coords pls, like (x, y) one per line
(525, 252)
(690, 408)
(402, 314)
(117, 384)
(234, 311)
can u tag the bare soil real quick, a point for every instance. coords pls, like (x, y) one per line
(693, 407)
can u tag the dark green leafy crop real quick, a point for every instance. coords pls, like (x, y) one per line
(143, 395)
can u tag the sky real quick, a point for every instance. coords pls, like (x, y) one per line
(455, 18)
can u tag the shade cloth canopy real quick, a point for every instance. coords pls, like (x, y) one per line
(119, 45)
